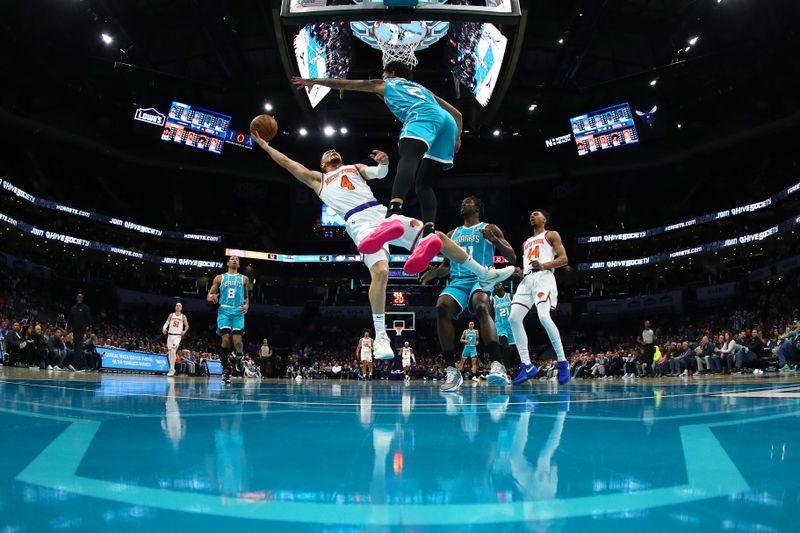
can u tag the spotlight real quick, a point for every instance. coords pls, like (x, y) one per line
(653, 83)
(303, 132)
(268, 107)
(532, 107)
(561, 41)
(679, 125)
(107, 38)
(693, 40)
(343, 130)
(687, 49)
(328, 131)
(496, 133)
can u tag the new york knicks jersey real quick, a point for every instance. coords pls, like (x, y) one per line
(344, 189)
(401, 95)
(537, 248)
(231, 290)
(476, 245)
(406, 353)
(502, 310)
(366, 346)
(175, 324)
(471, 336)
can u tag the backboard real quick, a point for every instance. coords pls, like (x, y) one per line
(303, 11)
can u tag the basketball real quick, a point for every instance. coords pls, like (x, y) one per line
(265, 125)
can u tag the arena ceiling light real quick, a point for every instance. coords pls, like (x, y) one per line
(561, 41)
(693, 40)
(653, 83)
(268, 107)
(532, 107)
(107, 38)
(343, 130)
(303, 132)
(496, 133)
(329, 131)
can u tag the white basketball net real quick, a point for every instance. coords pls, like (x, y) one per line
(403, 52)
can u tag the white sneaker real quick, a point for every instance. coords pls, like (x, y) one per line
(684, 374)
(453, 381)
(171, 373)
(494, 276)
(383, 347)
(498, 374)
(49, 367)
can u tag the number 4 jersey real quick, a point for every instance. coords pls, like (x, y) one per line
(344, 189)
(537, 248)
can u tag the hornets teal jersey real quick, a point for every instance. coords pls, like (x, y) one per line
(231, 290)
(502, 310)
(471, 336)
(476, 245)
(400, 95)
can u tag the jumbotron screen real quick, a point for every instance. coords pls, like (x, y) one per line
(196, 127)
(604, 129)
(329, 217)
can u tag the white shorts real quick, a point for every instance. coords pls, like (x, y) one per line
(173, 341)
(406, 362)
(362, 224)
(537, 288)
(366, 355)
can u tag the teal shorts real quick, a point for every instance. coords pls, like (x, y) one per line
(505, 331)
(435, 127)
(230, 320)
(461, 290)
(469, 351)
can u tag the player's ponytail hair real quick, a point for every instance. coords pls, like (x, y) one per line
(400, 69)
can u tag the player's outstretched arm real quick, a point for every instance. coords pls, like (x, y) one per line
(213, 292)
(493, 234)
(377, 172)
(310, 178)
(365, 86)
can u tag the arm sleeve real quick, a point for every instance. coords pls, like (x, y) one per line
(377, 172)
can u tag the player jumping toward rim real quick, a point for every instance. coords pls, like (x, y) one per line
(344, 188)
(429, 139)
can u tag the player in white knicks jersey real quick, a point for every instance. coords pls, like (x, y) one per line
(344, 188)
(174, 328)
(364, 349)
(542, 254)
(407, 353)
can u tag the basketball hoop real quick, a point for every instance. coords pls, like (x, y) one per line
(397, 51)
(399, 329)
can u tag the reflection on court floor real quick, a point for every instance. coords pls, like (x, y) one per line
(134, 453)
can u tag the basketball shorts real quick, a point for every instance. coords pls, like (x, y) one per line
(461, 290)
(537, 288)
(435, 127)
(469, 351)
(366, 355)
(231, 319)
(173, 341)
(406, 361)
(504, 330)
(362, 224)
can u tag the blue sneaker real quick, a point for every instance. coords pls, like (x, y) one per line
(525, 373)
(563, 372)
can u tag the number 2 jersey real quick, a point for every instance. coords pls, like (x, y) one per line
(401, 96)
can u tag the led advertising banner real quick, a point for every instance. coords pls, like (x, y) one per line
(103, 247)
(686, 252)
(327, 258)
(604, 129)
(196, 127)
(97, 217)
(116, 359)
(711, 217)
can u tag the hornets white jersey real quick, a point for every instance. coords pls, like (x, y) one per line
(366, 346)
(344, 189)
(537, 248)
(175, 326)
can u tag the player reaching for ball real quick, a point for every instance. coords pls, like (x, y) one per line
(429, 139)
(344, 188)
